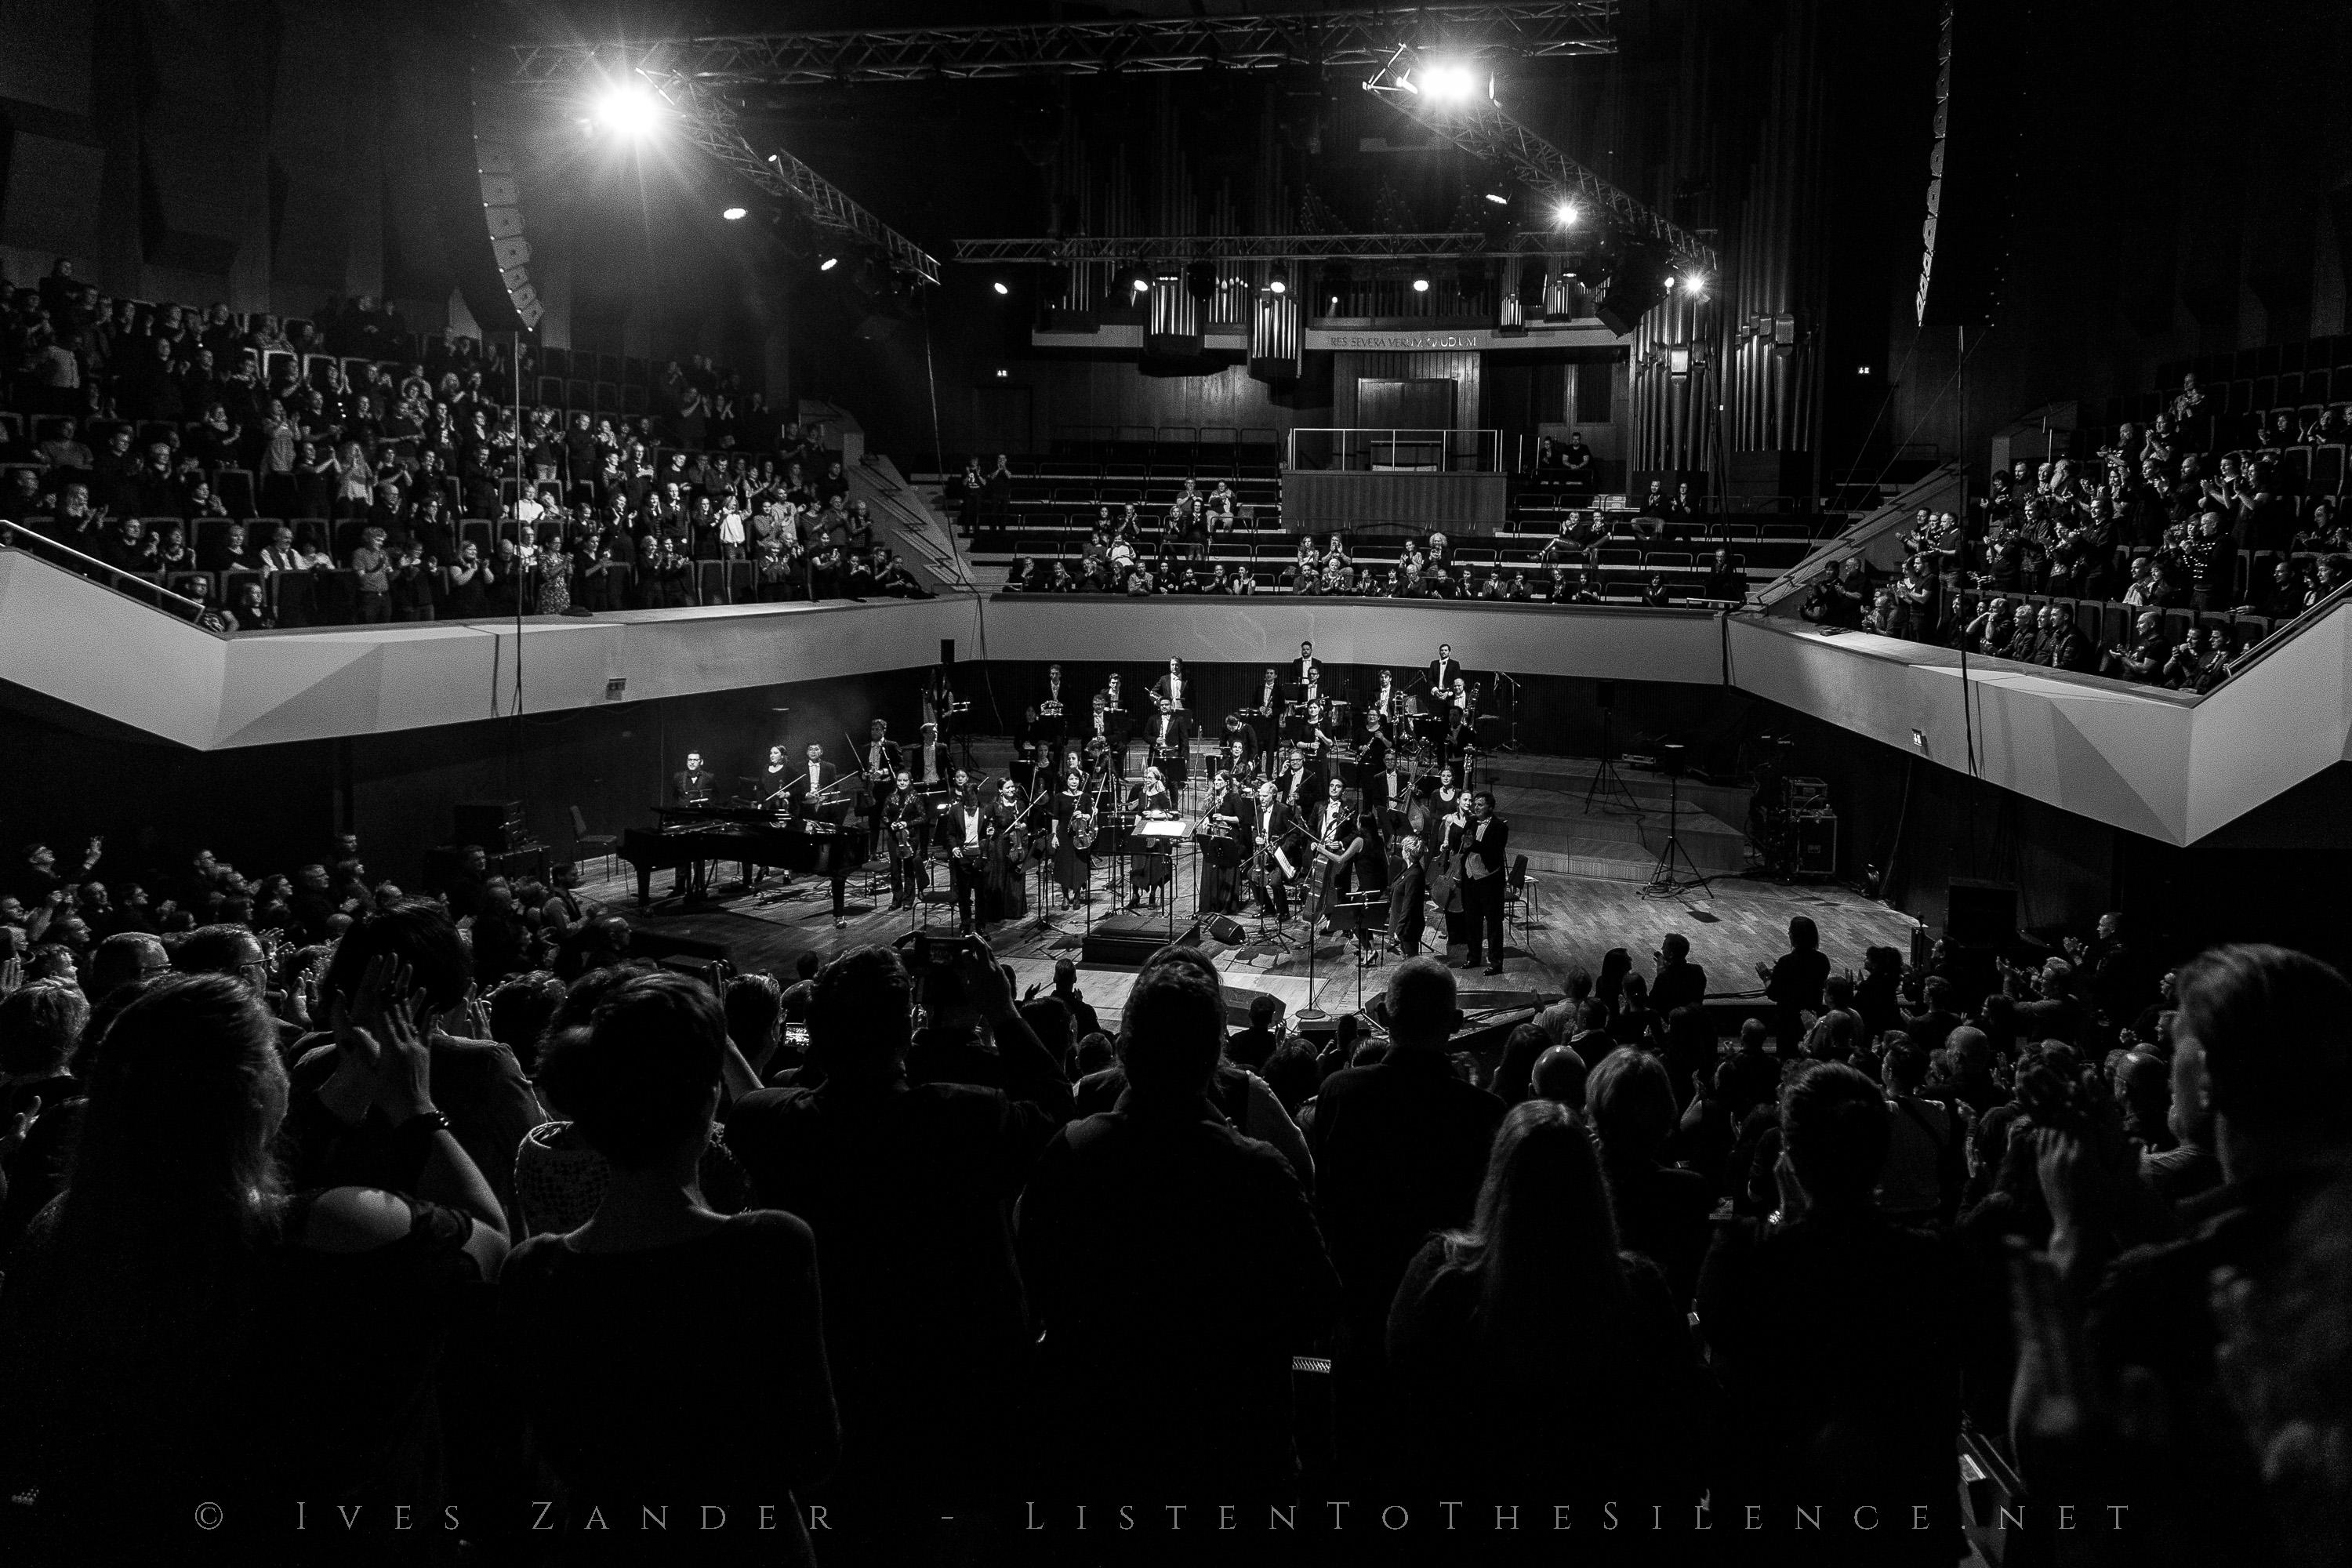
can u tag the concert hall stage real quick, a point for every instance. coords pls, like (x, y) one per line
(1576, 915)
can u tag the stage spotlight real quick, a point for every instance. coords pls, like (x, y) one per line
(1421, 285)
(1278, 282)
(1565, 214)
(1499, 196)
(631, 110)
(1449, 82)
(735, 215)
(1140, 286)
(1001, 286)
(828, 264)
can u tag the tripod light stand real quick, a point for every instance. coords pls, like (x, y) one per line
(1666, 878)
(1608, 789)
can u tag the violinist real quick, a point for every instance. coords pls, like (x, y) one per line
(881, 777)
(1074, 838)
(1274, 834)
(1223, 836)
(965, 828)
(1385, 704)
(1005, 895)
(1461, 717)
(1299, 787)
(910, 842)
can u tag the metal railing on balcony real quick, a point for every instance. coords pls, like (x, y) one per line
(1396, 451)
(147, 588)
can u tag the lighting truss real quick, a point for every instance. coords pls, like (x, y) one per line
(706, 121)
(1335, 35)
(1478, 125)
(1257, 248)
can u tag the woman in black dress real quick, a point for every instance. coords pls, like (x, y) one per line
(1153, 866)
(1072, 811)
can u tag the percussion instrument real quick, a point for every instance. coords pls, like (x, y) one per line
(1049, 709)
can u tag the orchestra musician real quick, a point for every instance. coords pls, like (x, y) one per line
(927, 763)
(1337, 845)
(774, 778)
(939, 704)
(1227, 822)
(1240, 744)
(1265, 718)
(1305, 670)
(880, 773)
(813, 796)
(1299, 786)
(1310, 737)
(1408, 892)
(1053, 710)
(1171, 730)
(1479, 851)
(1384, 705)
(1074, 818)
(1118, 726)
(1373, 765)
(1154, 864)
(1106, 748)
(1004, 893)
(964, 829)
(1273, 843)
(1444, 671)
(1460, 718)
(910, 843)
(692, 785)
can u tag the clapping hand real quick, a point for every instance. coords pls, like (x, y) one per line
(19, 1126)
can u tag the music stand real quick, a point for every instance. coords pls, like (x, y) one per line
(1369, 917)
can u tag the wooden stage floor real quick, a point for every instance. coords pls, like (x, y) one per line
(1733, 925)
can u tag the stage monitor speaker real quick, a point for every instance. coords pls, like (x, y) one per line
(1229, 931)
(1979, 914)
(1816, 845)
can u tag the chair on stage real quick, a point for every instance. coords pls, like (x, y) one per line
(1519, 888)
(585, 844)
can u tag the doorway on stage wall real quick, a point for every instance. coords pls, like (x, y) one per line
(1000, 419)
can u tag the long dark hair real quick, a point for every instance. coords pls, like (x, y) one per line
(174, 1161)
(1543, 1246)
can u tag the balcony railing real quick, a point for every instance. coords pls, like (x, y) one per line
(1396, 451)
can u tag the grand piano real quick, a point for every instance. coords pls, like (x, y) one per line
(751, 836)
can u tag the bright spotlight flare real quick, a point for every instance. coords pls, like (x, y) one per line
(734, 215)
(632, 110)
(1445, 81)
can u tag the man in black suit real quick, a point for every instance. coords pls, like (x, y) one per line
(1051, 724)
(1372, 767)
(964, 827)
(805, 800)
(927, 763)
(882, 762)
(1305, 670)
(1483, 845)
(1170, 729)
(1298, 785)
(695, 784)
(1442, 668)
(1400, 1152)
